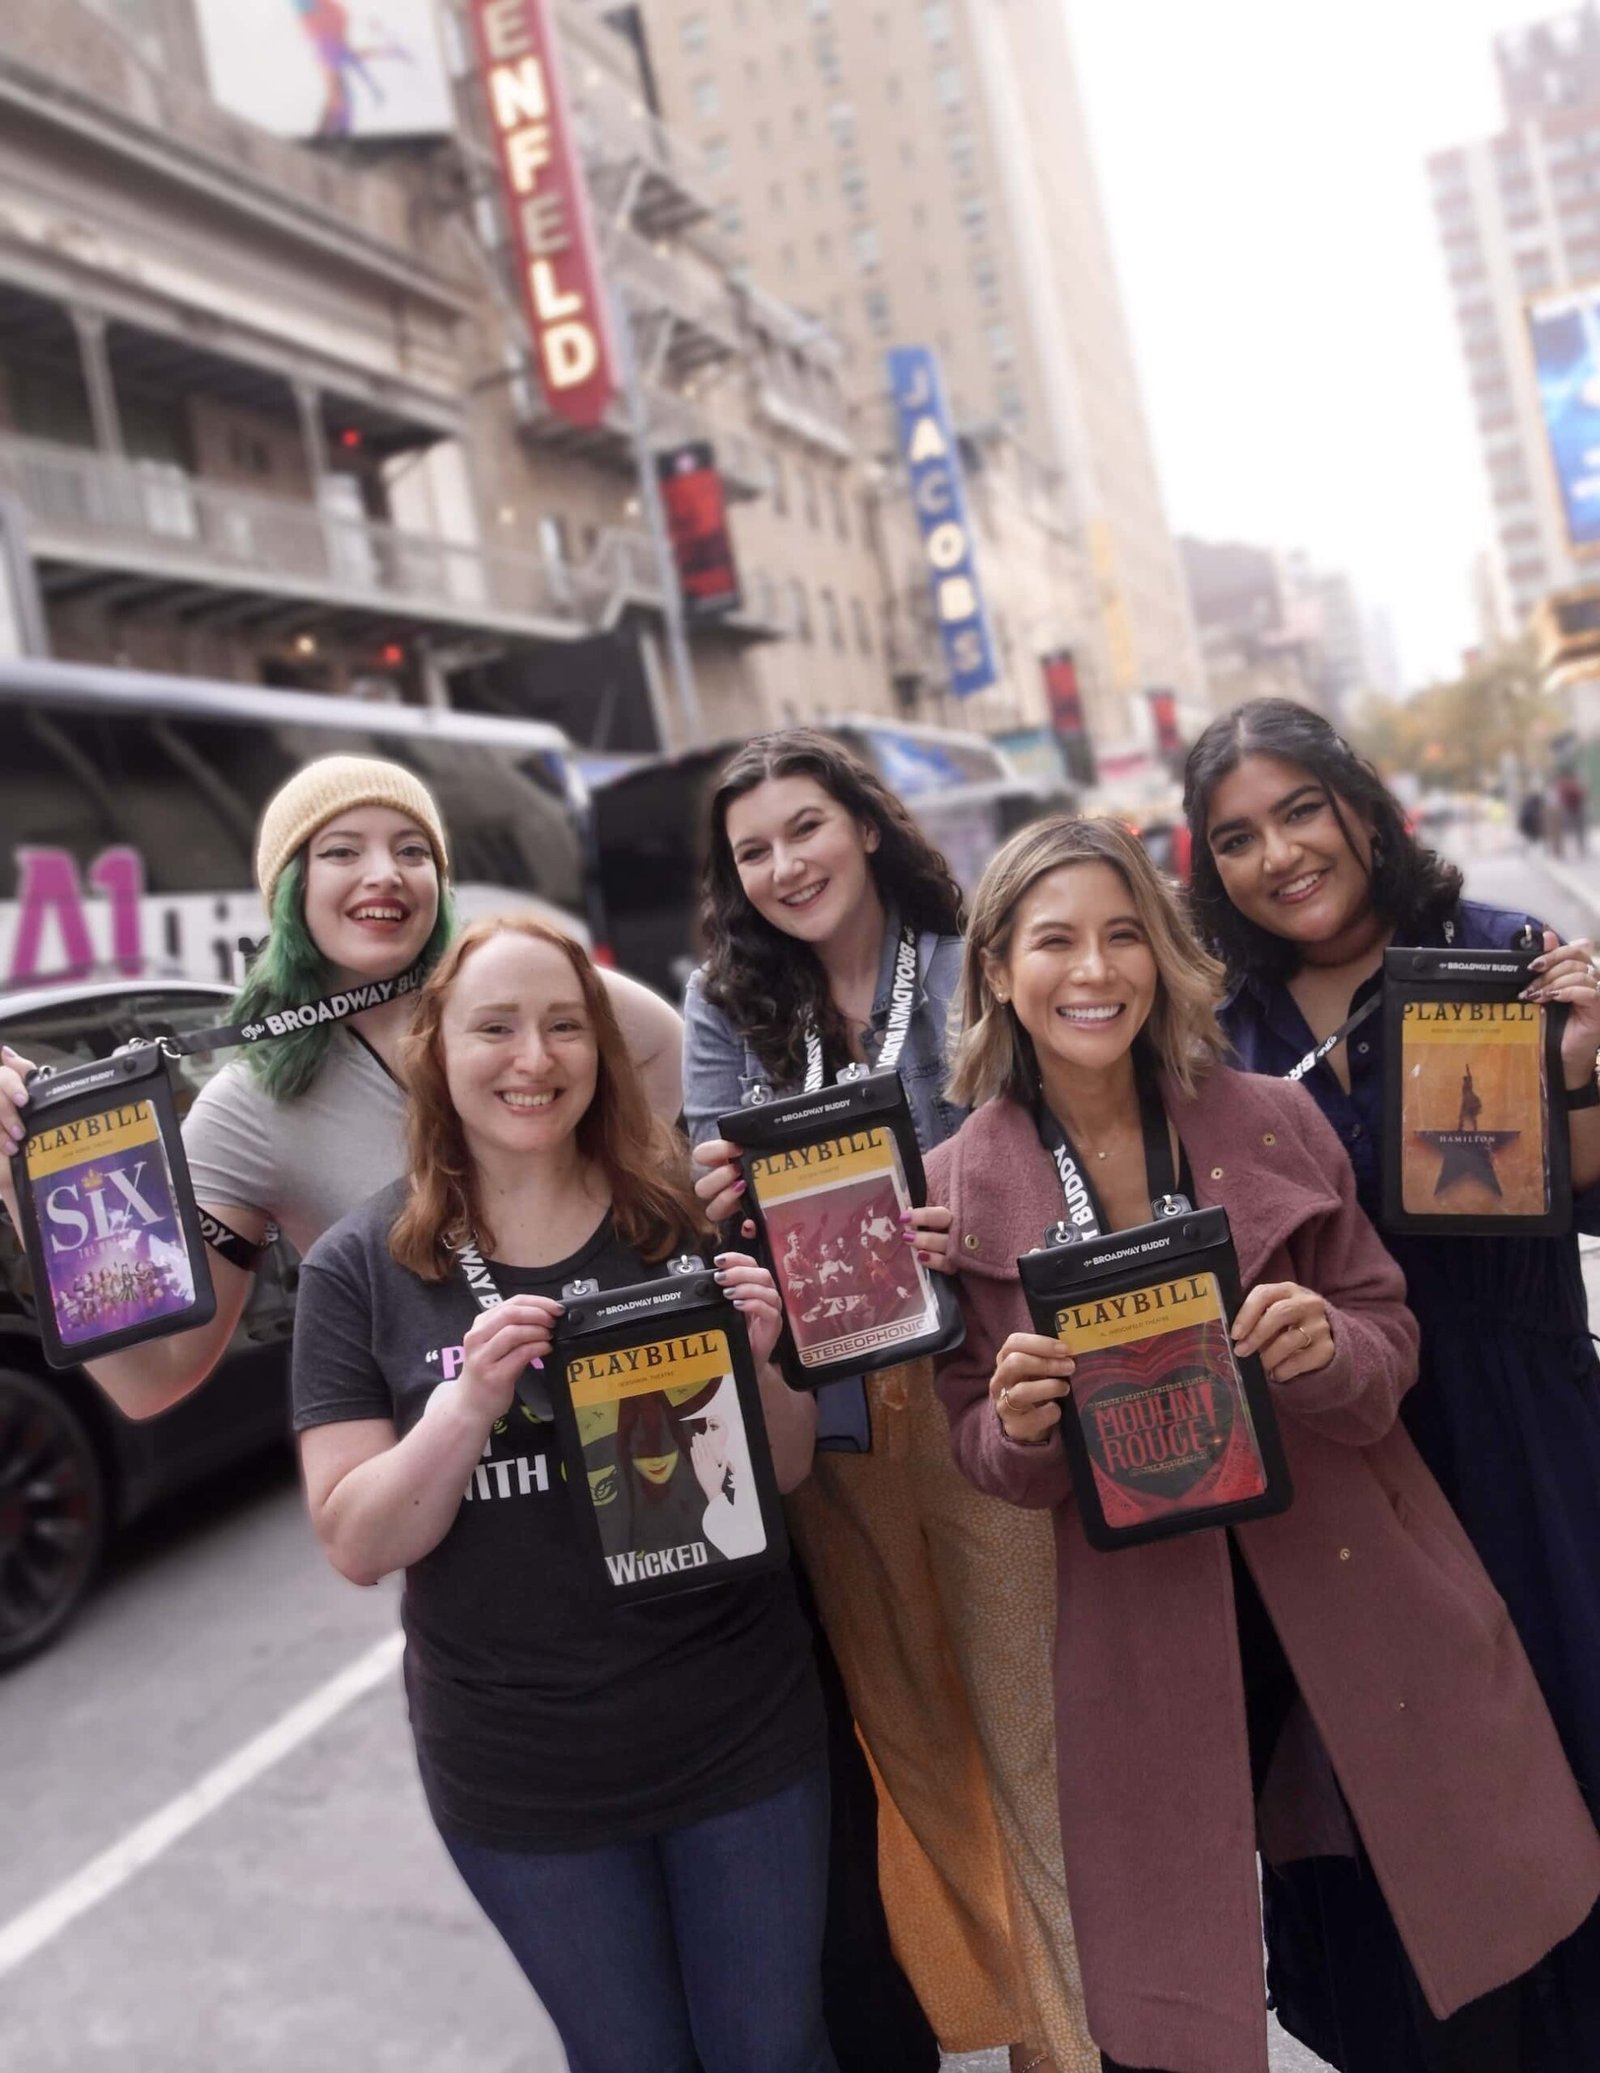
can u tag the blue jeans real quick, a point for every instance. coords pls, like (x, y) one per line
(697, 1951)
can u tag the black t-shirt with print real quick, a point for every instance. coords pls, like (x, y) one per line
(545, 1718)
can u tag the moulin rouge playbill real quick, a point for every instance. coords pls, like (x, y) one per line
(1160, 1402)
(108, 1221)
(850, 1283)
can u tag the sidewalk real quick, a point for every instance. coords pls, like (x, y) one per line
(1577, 876)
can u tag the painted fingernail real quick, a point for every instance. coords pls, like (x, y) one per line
(921, 1255)
(537, 1363)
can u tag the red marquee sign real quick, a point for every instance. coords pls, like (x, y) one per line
(548, 206)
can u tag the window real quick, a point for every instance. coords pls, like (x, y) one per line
(932, 279)
(947, 86)
(842, 122)
(819, 10)
(801, 601)
(752, 71)
(828, 61)
(963, 156)
(832, 621)
(808, 496)
(696, 33)
(731, 217)
(854, 184)
(1012, 408)
(936, 20)
(800, 120)
(764, 135)
(863, 625)
(891, 87)
(775, 197)
(707, 100)
(986, 279)
(778, 483)
(719, 158)
(908, 152)
(975, 217)
(1001, 350)
(865, 241)
(787, 258)
(841, 518)
(824, 246)
(878, 313)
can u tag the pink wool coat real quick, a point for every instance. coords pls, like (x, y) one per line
(1403, 1651)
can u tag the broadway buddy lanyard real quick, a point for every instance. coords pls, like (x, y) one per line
(1084, 1216)
(902, 1000)
(1350, 1025)
(532, 1394)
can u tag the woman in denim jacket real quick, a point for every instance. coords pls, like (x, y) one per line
(937, 1602)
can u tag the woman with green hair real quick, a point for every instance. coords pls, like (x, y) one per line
(353, 865)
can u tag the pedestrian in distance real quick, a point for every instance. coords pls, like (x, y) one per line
(353, 866)
(636, 1795)
(1339, 1675)
(1304, 873)
(934, 1600)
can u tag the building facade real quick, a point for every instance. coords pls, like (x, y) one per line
(919, 172)
(1518, 216)
(269, 411)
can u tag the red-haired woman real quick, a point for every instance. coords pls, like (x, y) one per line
(635, 1795)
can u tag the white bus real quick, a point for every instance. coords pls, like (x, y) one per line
(129, 804)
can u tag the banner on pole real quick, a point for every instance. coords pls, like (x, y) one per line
(933, 461)
(697, 520)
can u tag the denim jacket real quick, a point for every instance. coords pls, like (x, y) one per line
(719, 1067)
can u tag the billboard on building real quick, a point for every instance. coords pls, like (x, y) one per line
(1565, 330)
(697, 518)
(329, 68)
(933, 462)
(547, 205)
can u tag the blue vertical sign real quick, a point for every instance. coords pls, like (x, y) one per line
(933, 461)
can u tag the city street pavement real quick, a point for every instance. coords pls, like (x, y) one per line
(202, 1870)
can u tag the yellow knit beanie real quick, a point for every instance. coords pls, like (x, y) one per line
(338, 784)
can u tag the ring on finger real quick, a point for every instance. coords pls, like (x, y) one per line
(1003, 1401)
(1305, 1337)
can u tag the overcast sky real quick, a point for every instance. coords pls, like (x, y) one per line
(1262, 163)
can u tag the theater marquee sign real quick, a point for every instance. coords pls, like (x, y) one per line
(547, 205)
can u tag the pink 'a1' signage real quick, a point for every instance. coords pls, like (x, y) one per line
(548, 205)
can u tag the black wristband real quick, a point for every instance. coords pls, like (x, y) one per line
(232, 1245)
(1586, 1096)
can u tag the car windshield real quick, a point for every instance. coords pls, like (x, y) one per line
(71, 1032)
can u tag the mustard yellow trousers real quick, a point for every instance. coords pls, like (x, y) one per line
(940, 1607)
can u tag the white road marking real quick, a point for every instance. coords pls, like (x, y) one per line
(113, 1868)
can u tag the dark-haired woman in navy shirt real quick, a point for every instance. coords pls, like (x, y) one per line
(1303, 874)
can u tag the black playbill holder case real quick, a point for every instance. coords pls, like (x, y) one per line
(1166, 1430)
(109, 1224)
(659, 1415)
(1475, 1129)
(830, 1175)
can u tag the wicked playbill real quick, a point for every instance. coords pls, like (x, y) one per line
(108, 1223)
(851, 1285)
(1160, 1403)
(667, 1456)
(1474, 1109)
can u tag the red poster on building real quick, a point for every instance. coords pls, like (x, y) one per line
(1065, 695)
(697, 519)
(1164, 715)
(547, 206)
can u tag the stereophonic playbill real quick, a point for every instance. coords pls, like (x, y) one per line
(1159, 1401)
(1474, 1109)
(851, 1284)
(667, 1456)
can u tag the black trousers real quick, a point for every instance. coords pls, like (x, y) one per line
(875, 2022)
(1374, 2015)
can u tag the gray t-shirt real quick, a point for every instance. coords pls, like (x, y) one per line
(305, 1163)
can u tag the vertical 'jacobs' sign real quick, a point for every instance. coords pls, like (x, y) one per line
(928, 447)
(548, 205)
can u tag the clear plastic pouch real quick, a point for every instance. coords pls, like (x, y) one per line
(1166, 1430)
(830, 1175)
(114, 1242)
(1475, 1127)
(659, 1413)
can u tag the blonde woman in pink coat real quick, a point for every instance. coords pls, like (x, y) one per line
(1339, 1679)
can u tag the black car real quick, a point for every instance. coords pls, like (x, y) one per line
(72, 1468)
